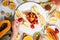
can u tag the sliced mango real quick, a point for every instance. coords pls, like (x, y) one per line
(51, 33)
(48, 36)
(48, 30)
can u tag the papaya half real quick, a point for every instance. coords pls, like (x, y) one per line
(5, 26)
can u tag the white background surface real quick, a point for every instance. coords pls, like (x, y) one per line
(6, 9)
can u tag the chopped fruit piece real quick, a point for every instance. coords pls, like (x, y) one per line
(20, 19)
(25, 25)
(35, 22)
(58, 15)
(12, 5)
(32, 26)
(36, 35)
(56, 30)
(17, 12)
(28, 38)
(25, 0)
(42, 20)
(11, 0)
(24, 35)
(53, 19)
(2, 12)
(32, 17)
(7, 14)
(48, 7)
(5, 3)
(51, 34)
(48, 36)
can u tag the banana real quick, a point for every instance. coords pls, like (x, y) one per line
(42, 20)
(17, 12)
(34, 9)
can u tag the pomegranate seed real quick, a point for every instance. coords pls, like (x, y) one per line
(35, 21)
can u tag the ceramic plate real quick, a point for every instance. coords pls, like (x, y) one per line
(27, 7)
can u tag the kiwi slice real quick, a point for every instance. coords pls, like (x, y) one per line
(36, 35)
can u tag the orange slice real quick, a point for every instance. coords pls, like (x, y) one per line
(28, 38)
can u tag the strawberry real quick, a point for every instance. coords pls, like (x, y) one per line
(56, 30)
(32, 26)
(20, 19)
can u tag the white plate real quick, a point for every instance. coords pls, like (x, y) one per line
(26, 7)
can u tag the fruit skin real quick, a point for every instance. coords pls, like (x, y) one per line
(51, 34)
(48, 30)
(32, 17)
(32, 26)
(56, 31)
(3, 32)
(48, 36)
(57, 15)
(48, 7)
(28, 38)
(36, 35)
(12, 6)
(53, 19)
